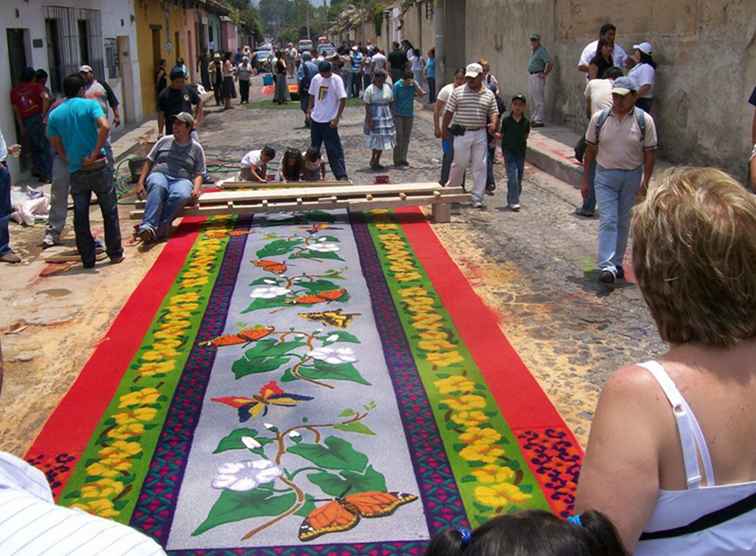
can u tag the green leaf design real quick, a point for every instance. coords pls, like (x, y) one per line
(232, 441)
(236, 506)
(319, 216)
(270, 303)
(307, 507)
(356, 427)
(264, 281)
(347, 413)
(349, 482)
(319, 255)
(317, 286)
(278, 247)
(336, 454)
(341, 336)
(320, 370)
(265, 356)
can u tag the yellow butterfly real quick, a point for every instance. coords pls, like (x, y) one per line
(332, 318)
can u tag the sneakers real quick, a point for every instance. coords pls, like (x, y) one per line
(147, 235)
(515, 208)
(49, 241)
(607, 277)
(10, 257)
(478, 205)
(116, 260)
(620, 273)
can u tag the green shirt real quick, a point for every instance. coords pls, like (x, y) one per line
(539, 58)
(515, 134)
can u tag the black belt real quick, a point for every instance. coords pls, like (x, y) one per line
(535, 72)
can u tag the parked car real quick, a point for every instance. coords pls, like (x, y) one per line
(262, 60)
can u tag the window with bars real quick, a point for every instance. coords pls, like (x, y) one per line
(111, 59)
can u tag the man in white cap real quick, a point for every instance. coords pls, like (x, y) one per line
(469, 111)
(622, 139)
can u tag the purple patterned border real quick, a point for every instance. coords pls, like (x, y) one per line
(441, 501)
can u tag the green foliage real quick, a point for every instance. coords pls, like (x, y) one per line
(265, 356)
(235, 506)
(349, 482)
(337, 454)
(232, 441)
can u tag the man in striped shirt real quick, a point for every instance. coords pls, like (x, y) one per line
(470, 110)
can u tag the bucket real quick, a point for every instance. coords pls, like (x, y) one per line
(267, 79)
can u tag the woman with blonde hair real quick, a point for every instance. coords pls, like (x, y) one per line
(672, 453)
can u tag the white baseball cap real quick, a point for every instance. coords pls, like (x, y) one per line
(473, 70)
(86, 69)
(644, 47)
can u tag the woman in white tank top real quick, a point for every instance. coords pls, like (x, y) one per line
(672, 452)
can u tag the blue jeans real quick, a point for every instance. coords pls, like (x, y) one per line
(5, 208)
(447, 145)
(83, 183)
(166, 196)
(431, 90)
(356, 84)
(320, 133)
(490, 177)
(40, 147)
(515, 163)
(589, 203)
(615, 192)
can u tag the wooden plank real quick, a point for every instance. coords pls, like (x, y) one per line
(251, 185)
(355, 193)
(306, 192)
(287, 206)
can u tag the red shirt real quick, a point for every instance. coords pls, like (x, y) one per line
(28, 98)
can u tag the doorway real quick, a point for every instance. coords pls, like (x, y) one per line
(17, 49)
(127, 78)
(53, 55)
(83, 28)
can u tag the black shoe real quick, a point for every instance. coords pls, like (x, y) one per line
(607, 277)
(620, 273)
(584, 213)
(208, 180)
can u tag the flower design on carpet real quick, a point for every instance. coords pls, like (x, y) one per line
(273, 487)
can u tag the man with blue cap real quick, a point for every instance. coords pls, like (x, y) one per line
(622, 140)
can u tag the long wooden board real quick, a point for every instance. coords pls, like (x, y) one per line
(254, 207)
(341, 192)
(254, 185)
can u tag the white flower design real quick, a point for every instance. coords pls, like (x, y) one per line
(268, 426)
(269, 293)
(250, 442)
(324, 247)
(269, 282)
(334, 356)
(245, 475)
(332, 338)
(294, 434)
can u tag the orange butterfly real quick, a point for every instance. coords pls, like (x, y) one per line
(343, 514)
(271, 266)
(243, 337)
(322, 297)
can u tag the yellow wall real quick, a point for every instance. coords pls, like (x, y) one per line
(172, 19)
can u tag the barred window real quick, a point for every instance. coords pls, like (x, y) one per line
(111, 59)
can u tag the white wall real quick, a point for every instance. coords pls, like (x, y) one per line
(30, 15)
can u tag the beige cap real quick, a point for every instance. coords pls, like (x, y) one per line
(473, 70)
(186, 117)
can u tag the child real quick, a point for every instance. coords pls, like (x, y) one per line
(532, 533)
(514, 139)
(313, 167)
(254, 164)
(291, 165)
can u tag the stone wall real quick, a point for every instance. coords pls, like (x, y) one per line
(706, 51)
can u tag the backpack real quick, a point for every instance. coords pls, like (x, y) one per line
(640, 119)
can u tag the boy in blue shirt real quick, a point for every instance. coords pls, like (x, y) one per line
(515, 129)
(405, 91)
(78, 129)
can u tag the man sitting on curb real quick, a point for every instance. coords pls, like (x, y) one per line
(173, 175)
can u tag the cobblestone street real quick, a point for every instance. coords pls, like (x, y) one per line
(534, 268)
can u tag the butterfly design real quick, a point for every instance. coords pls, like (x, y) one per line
(243, 337)
(332, 318)
(322, 297)
(221, 234)
(344, 513)
(270, 394)
(271, 266)
(319, 227)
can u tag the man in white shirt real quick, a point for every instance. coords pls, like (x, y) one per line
(598, 96)
(609, 33)
(377, 62)
(447, 145)
(327, 101)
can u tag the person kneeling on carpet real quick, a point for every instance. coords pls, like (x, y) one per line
(291, 165)
(532, 532)
(313, 166)
(171, 177)
(254, 164)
